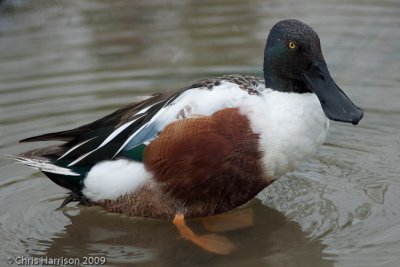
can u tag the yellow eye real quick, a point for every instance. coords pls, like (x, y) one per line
(292, 45)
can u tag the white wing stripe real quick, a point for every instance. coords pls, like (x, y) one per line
(75, 147)
(45, 166)
(107, 140)
(141, 128)
(147, 108)
(118, 130)
(130, 138)
(81, 157)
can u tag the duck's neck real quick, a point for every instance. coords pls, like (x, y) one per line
(278, 78)
(283, 84)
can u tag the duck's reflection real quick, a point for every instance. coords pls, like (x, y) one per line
(271, 240)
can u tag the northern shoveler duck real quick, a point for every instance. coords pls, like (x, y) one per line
(206, 148)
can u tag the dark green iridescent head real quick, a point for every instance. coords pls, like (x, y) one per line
(291, 47)
(293, 63)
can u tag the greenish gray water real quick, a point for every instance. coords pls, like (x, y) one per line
(66, 63)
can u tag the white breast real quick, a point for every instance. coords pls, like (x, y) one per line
(291, 127)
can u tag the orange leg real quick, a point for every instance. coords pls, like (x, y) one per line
(210, 242)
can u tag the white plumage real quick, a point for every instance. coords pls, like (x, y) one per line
(113, 178)
(286, 137)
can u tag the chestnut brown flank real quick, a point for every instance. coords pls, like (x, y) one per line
(211, 164)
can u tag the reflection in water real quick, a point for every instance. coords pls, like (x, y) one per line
(66, 63)
(130, 240)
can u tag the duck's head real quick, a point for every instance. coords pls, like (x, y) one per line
(293, 62)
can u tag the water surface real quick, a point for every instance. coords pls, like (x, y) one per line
(66, 63)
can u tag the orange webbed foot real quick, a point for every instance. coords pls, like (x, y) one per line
(210, 242)
(237, 219)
